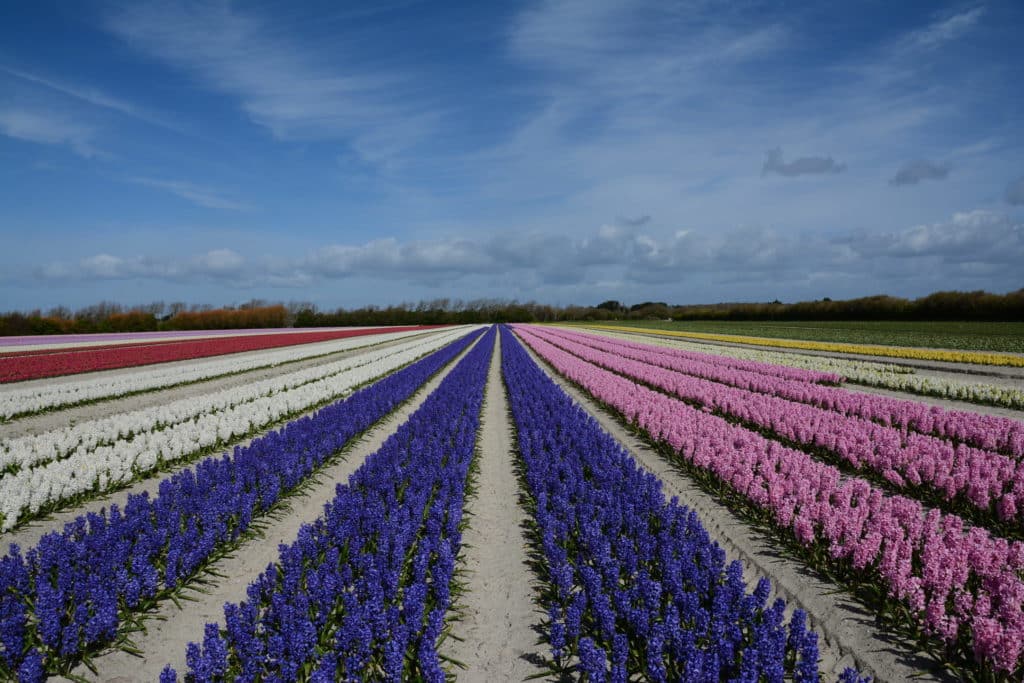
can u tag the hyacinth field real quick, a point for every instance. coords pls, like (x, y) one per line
(490, 503)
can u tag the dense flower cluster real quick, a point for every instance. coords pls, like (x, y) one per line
(40, 471)
(979, 357)
(987, 482)
(636, 584)
(69, 594)
(362, 593)
(956, 583)
(15, 367)
(983, 431)
(18, 399)
(868, 373)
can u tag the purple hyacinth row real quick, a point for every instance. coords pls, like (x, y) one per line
(989, 432)
(362, 593)
(958, 584)
(69, 595)
(635, 583)
(986, 485)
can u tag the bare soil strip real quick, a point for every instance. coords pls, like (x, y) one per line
(172, 628)
(850, 636)
(497, 615)
(44, 422)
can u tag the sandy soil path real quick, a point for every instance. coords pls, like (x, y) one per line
(172, 628)
(36, 424)
(497, 610)
(849, 634)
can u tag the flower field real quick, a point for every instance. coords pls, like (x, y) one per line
(902, 378)
(951, 356)
(16, 366)
(301, 512)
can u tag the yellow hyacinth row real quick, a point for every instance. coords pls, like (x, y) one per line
(979, 357)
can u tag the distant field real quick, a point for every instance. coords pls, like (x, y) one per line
(968, 336)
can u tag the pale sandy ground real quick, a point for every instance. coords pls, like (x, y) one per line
(36, 424)
(849, 635)
(497, 612)
(171, 629)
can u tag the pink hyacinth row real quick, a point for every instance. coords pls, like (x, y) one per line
(988, 432)
(957, 581)
(982, 478)
(796, 374)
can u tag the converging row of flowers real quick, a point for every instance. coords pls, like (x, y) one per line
(954, 583)
(17, 399)
(981, 483)
(634, 583)
(982, 431)
(979, 357)
(882, 374)
(71, 594)
(362, 593)
(39, 472)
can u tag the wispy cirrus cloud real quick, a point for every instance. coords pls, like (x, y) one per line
(282, 85)
(199, 195)
(48, 128)
(92, 96)
(944, 29)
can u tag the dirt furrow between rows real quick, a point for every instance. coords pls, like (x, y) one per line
(850, 636)
(497, 615)
(172, 628)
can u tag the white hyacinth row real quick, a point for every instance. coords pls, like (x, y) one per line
(99, 467)
(884, 375)
(17, 400)
(32, 450)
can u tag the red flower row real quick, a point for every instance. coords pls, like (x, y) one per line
(73, 361)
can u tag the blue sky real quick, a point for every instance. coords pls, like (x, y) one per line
(566, 152)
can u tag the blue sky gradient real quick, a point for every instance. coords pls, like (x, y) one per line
(568, 151)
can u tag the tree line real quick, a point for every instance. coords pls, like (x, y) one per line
(113, 317)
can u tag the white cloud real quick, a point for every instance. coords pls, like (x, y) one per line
(955, 252)
(48, 129)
